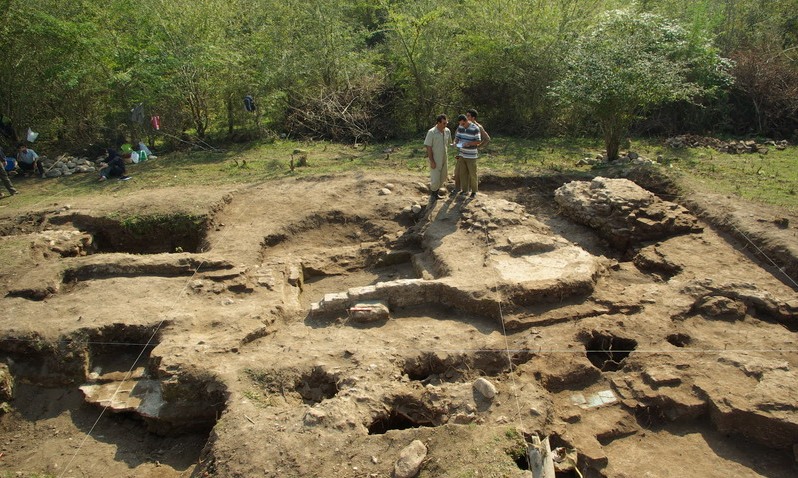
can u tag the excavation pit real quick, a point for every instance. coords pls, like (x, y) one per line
(120, 402)
(295, 387)
(438, 368)
(405, 413)
(608, 352)
(118, 442)
(679, 340)
(327, 231)
(316, 386)
(145, 234)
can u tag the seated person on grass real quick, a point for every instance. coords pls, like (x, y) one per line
(28, 160)
(113, 166)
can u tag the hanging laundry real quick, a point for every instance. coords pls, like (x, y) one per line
(137, 114)
(249, 103)
(156, 122)
(32, 135)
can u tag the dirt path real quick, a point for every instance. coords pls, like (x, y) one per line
(255, 344)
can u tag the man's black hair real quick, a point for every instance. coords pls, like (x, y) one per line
(440, 117)
(462, 118)
(472, 112)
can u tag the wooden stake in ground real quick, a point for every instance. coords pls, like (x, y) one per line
(541, 461)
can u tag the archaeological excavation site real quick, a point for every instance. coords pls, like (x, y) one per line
(345, 326)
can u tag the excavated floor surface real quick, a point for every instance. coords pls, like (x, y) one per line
(317, 327)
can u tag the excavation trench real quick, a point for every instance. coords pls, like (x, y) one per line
(145, 234)
(109, 375)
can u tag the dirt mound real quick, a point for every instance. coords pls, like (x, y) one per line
(350, 334)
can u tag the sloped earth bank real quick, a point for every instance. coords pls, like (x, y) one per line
(318, 327)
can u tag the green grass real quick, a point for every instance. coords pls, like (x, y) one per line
(770, 179)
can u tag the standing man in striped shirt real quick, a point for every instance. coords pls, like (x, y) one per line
(467, 138)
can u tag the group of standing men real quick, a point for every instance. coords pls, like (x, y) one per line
(469, 137)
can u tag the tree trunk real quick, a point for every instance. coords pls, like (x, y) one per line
(612, 137)
(230, 115)
(613, 147)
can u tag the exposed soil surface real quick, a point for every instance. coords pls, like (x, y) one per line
(317, 327)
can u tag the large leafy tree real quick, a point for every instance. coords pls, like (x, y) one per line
(513, 57)
(424, 57)
(630, 62)
(53, 76)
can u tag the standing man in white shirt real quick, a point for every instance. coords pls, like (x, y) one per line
(437, 141)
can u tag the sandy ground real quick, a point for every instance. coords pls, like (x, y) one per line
(255, 377)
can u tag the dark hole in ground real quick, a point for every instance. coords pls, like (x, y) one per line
(434, 368)
(679, 340)
(607, 352)
(566, 474)
(522, 462)
(317, 385)
(153, 234)
(393, 421)
(406, 412)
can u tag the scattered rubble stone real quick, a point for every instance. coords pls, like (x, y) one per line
(722, 308)
(6, 387)
(66, 165)
(731, 147)
(485, 387)
(410, 460)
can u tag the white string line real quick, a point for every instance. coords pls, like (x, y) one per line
(123, 382)
(504, 333)
(509, 356)
(36, 205)
(780, 269)
(181, 294)
(537, 351)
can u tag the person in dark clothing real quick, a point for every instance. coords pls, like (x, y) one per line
(114, 166)
(4, 175)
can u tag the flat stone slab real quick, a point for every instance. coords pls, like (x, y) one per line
(370, 311)
(142, 396)
(570, 261)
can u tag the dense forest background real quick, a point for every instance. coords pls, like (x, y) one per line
(367, 70)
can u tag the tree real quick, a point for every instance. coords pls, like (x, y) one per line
(514, 57)
(424, 40)
(630, 62)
